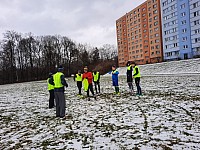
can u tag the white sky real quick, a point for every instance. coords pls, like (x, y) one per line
(84, 21)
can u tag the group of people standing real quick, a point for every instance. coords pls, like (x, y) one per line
(57, 83)
(133, 71)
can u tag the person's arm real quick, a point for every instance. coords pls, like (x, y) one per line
(75, 77)
(51, 81)
(63, 81)
(136, 69)
(98, 77)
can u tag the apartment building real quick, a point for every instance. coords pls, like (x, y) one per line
(194, 6)
(139, 34)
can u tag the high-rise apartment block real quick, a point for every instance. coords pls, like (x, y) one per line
(159, 30)
(194, 6)
(139, 34)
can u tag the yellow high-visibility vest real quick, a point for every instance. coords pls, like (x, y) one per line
(85, 84)
(57, 80)
(50, 87)
(129, 67)
(96, 76)
(79, 77)
(138, 75)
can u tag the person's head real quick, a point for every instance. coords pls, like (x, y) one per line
(133, 64)
(79, 71)
(50, 74)
(95, 71)
(113, 67)
(60, 68)
(85, 69)
(128, 63)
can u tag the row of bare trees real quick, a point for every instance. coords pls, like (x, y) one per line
(25, 57)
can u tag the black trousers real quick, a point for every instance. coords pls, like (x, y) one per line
(51, 98)
(90, 87)
(95, 85)
(79, 85)
(137, 82)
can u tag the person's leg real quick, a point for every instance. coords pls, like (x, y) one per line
(91, 89)
(57, 104)
(88, 92)
(98, 86)
(140, 91)
(62, 104)
(117, 89)
(137, 82)
(51, 99)
(79, 85)
(95, 85)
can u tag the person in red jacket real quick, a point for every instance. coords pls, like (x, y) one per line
(87, 76)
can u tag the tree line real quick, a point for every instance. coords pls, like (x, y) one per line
(25, 57)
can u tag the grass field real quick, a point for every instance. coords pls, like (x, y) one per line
(166, 117)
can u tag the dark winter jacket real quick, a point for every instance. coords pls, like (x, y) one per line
(129, 74)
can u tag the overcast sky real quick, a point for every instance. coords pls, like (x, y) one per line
(84, 21)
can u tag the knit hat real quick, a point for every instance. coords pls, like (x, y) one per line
(60, 68)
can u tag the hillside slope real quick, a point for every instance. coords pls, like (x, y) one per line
(191, 66)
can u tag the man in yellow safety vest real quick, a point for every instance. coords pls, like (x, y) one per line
(59, 82)
(96, 78)
(137, 76)
(78, 78)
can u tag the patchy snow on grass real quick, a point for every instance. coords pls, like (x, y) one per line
(166, 117)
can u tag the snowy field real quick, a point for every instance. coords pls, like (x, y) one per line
(166, 117)
(186, 67)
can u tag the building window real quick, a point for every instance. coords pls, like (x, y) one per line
(157, 52)
(168, 54)
(184, 30)
(183, 6)
(176, 53)
(183, 22)
(154, 6)
(155, 23)
(185, 46)
(143, 15)
(184, 38)
(175, 44)
(173, 14)
(195, 5)
(197, 40)
(197, 31)
(156, 17)
(173, 7)
(155, 11)
(152, 53)
(183, 14)
(149, 8)
(143, 9)
(157, 41)
(196, 13)
(156, 29)
(157, 46)
(196, 22)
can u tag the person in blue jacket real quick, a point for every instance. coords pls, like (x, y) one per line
(115, 79)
